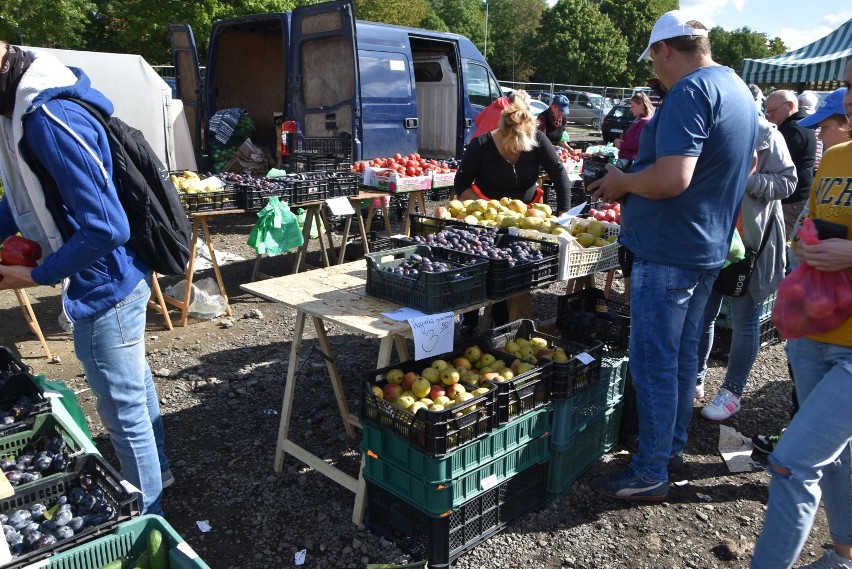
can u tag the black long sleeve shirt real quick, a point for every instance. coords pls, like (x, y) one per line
(497, 177)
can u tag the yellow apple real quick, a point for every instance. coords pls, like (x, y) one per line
(450, 376)
(432, 375)
(439, 364)
(473, 353)
(421, 387)
(395, 376)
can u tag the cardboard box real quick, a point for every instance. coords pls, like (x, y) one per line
(387, 180)
(443, 180)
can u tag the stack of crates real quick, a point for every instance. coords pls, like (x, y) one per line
(439, 483)
(586, 425)
(115, 531)
(722, 333)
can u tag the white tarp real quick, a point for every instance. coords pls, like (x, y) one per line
(141, 98)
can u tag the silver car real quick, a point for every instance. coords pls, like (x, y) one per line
(586, 108)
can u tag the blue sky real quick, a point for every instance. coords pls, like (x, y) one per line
(797, 22)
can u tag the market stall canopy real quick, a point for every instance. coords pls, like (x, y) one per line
(822, 60)
(141, 99)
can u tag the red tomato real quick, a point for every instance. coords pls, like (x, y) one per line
(397, 156)
(411, 171)
(411, 163)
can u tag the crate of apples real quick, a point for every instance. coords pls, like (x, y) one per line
(609, 212)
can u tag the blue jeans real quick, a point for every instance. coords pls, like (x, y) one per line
(745, 339)
(816, 449)
(111, 347)
(666, 312)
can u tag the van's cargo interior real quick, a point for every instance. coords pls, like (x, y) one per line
(436, 80)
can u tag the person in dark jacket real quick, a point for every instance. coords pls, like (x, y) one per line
(105, 286)
(782, 108)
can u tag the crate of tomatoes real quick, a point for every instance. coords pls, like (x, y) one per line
(400, 174)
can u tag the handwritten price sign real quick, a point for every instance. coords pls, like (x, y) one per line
(433, 334)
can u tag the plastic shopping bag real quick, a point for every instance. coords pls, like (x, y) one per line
(277, 229)
(811, 301)
(736, 252)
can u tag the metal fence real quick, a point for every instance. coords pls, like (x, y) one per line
(614, 94)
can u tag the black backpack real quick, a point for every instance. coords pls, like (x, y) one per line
(160, 231)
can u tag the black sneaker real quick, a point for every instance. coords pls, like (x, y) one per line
(765, 443)
(676, 464)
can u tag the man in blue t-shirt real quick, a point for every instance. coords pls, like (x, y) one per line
(679, 210)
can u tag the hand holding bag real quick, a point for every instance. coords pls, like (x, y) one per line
(733, 280)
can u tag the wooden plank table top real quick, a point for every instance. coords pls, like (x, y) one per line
(338, 295)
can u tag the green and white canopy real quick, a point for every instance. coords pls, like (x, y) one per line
(822, 60)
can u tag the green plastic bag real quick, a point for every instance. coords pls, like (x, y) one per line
(301, 214)
(69, 401)
(276, 231)
(737, 251)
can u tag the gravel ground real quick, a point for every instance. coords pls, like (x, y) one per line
(221, 389)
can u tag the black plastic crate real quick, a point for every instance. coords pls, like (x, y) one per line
(423, 225)
(12, 391)
(584, 357)
(323, 145)
(308, 187)
(722, 337)
(433, 433)
(588, 314)
(505, 280)
(317, 163)
(440, 194)
(343, 184)
(225, 198)
(442, 539)
(99, 475)
(255, 198)
(462, 285)
(10, 364)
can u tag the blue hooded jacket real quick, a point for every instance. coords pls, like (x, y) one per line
(73, 147)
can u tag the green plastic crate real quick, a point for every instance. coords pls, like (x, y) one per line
(441, 498)
(383, 446)
(40, 426)
(591, 442)
(724, 318)
(128, 539)
(572, 414)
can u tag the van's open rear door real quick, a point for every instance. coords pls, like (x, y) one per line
(188, 79)
(324, 82)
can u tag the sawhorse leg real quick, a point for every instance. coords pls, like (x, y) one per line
(30, 317)
(415, 200)
(159, 304)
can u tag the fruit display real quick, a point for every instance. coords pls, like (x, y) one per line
(610, 212)
(42, 457)
(502, 214)
(43, 524)
(591, 233)
(413, 265)
(191, 183)
(411, 165)
(483, 243)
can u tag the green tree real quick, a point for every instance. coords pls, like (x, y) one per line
(731, 47)
(398, 12)
(45, 23)
(512, 27)
(465, 17)
(579, 45)
(635, 19)
(776, 46)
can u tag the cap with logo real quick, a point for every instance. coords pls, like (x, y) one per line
(671, 25)
(831, 105)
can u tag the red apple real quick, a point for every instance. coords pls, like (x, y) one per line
(408, 380)
(455, 389)
(436, 391)
(392, 392)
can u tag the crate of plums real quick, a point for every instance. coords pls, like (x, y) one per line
(59, 513)
(429, 280)
(10, 364)
(21, 397)
(41, 450)
(515, 264)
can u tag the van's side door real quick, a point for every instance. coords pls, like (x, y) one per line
(388, 103)
(324, 89)
(188, 80)
(480, 90)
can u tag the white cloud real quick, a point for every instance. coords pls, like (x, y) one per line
(795, 38)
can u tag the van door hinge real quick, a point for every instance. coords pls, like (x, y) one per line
(410, 123)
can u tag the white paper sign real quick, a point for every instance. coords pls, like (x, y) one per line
(340, 206)
(403, 313)
(433, 334)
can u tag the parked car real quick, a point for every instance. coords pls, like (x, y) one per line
(616, 122)
(537, 107)
(586, 108)
(543, 96)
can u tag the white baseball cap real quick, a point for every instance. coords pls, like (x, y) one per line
(671, 25)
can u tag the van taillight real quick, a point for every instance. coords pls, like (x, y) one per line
(288, 130)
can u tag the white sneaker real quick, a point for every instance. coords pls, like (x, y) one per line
(723, 406)
(831, 560)
(699, 391)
